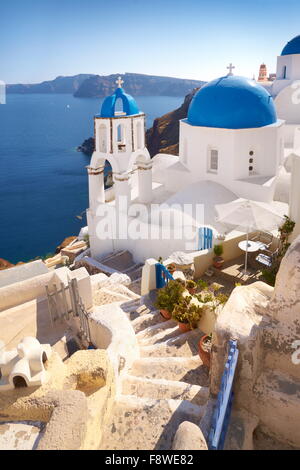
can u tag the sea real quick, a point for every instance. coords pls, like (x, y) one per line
(43, 180)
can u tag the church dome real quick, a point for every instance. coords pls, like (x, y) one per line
(292, 47)
(232, 102)
(130, 106)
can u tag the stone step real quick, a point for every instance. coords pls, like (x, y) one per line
(135, 309)
(107, 296)
(145, 320)
(135, 286)
(154, 330)
(133, 267)
(111, 255)
(185, 369)
(147, 424)
(135, 274)
(120, 261)
(161, 336)
(162, 388)
(185, 344)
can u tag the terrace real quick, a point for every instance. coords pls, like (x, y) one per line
(232, 273)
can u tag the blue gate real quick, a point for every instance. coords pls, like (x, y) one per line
(221, 416)
(205, 238)
(163, 276)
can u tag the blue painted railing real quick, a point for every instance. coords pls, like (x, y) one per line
(205, 238)
(163, 276)
(221, 416)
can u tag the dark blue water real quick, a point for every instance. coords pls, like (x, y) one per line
(43, 180)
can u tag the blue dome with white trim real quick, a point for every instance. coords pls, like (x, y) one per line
(292, 47)
(130, 106)
(232, 102)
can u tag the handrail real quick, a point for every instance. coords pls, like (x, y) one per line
(221, 416)
(163, 275)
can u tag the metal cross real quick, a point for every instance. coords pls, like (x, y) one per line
(119, 82)
(230, 68)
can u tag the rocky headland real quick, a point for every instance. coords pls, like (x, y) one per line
(163, 136)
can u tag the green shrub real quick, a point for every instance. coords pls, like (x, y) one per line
(187, 312)
(202, 284)
(218, 250)
(169, 295)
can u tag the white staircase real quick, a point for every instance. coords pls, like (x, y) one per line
(167, 385)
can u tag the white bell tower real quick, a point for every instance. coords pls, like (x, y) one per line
(120, 140)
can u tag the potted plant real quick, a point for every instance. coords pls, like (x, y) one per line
(171, 268)
(204, 348)
(168, 296)
(191, 286)
(187, 314)
(218, 260)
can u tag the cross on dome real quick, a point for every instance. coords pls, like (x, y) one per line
(119, 82)
(230, 68)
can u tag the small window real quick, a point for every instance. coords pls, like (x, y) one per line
(119, 133)
(251, 152)
(250, 160)
(213, 160)
(284, 72)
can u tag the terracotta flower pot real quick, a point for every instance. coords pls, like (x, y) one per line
(184, 327)
(171, 268)
(218, 262)
(204, 355)
(165, 314)
(192, 290)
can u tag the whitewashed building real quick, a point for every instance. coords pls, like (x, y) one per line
(286, 90)
(233, 144)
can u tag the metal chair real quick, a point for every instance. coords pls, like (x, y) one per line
(267, 258)
(264, 240)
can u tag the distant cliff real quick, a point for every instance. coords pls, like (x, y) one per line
(137, 85)
(90, 86)
(162, 137)
(58, 85)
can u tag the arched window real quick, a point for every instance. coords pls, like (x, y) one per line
(121, 141)
(119, 108)
(119, 133)
(102, 138)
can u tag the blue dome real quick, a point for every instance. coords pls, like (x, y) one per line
(129, 104)
(292, 47)
(232, 102)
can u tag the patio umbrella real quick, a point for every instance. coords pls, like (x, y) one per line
(247, 216)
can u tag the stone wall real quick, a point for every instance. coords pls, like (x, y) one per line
(266, 323)
(75, 402)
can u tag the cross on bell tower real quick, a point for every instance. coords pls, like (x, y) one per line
(230, 68)
(119, 82)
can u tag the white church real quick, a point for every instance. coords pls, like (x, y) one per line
(239, 140)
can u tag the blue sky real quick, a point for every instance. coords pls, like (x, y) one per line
(41, 39)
